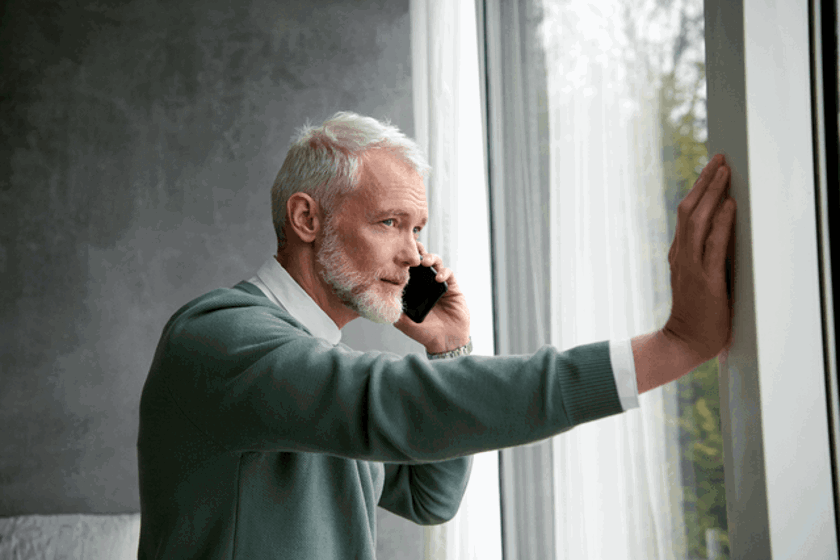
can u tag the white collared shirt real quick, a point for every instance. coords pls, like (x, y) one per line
(279, 287)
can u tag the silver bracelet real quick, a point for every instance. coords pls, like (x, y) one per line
(464, 350)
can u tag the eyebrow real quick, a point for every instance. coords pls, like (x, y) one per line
(400, 213)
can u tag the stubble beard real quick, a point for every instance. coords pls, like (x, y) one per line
(355, 289)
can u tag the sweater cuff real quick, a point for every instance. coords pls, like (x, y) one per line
(588, 383)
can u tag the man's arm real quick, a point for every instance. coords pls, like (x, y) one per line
(250, 380)
(427, 494)
(700, 325)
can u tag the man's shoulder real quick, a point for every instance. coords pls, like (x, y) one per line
(242, 295)
(224, 308)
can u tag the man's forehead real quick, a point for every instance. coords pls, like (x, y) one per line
(382, 166)
(389, 184)
(393, 201)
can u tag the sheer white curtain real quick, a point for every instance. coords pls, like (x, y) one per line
(578, 203)
(448, 126)
(616, 483)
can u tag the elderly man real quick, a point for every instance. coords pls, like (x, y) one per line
(263, 437)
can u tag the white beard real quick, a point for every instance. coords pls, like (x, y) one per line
(354, 289)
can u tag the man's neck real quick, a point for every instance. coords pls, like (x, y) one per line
(301, 266)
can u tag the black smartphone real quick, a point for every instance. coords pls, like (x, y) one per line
(422, 292)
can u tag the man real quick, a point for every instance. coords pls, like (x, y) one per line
(263, 437)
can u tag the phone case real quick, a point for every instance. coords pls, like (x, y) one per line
(422, 292)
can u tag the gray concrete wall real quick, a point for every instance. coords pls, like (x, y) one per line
(139, 143)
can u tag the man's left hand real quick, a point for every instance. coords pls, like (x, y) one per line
(447, 326)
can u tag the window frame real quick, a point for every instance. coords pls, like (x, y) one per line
(825, 58)
(774, 405)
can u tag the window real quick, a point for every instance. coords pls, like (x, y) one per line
(596, 117)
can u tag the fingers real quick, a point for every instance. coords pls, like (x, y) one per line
(692, 199)
(696, 211)
(701, 218)
(721, 231)
(430, 259)
(443, 274)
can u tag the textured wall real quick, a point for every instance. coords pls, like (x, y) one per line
(139, 143)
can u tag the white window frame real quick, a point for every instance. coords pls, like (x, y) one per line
(774, 403)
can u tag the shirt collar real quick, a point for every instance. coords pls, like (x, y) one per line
(297, 302)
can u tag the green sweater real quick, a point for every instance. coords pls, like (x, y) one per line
(258, 440)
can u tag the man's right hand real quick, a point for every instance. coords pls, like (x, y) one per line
(701, 313)
(700, 325)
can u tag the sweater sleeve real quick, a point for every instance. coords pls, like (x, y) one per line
(427, 494)
(252, 379)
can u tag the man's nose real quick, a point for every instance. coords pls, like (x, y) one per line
(410, 254)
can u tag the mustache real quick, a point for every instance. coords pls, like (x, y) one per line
(394, 278)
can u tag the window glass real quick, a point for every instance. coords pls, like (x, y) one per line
(626, 117)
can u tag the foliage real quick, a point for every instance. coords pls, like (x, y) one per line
(701, 445)
(701, 441)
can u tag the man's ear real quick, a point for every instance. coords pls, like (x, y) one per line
(303, 216)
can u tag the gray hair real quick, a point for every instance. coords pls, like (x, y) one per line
(325, 162)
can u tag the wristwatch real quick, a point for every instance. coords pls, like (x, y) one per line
(464, 350)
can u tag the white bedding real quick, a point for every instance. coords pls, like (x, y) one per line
(70, 537)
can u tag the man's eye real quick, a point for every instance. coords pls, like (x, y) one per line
(389, 222)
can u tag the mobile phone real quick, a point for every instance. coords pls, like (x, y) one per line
(422, 292)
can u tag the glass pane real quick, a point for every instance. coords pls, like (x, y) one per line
(626, 139)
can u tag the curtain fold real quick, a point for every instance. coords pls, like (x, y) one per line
(519, 194)
(448, 126)
(580, 255)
